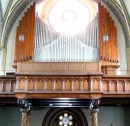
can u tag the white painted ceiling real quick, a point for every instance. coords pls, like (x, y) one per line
(5, 4)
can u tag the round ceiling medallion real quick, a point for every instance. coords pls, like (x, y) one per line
(69, 17)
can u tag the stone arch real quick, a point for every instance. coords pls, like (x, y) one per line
(65, 116)
(23, 4)
(1, 22)
(11, 20)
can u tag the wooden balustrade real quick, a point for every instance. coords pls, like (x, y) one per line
(116, 85)
(74, 84)
(7, 85)
(62, 84)
(59, 83)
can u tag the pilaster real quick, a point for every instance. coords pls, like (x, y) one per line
(1, 21)
(94, 113)
(2, 60)
(25, 116)
(128, 59)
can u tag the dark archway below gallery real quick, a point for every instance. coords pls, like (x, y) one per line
(65, 117)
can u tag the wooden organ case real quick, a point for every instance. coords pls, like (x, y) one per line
(104, 42)
(108, 41)
(24, 46)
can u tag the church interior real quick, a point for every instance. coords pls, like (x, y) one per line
(64, 63)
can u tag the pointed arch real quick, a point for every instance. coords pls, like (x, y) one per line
(1, 18)
(13, 17)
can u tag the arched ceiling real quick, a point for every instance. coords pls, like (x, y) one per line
(11, 9)
(15, 2)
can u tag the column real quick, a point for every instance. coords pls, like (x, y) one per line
(1, 21)
(94, 113)
(2, 60)
(128, 59)
(25, 116)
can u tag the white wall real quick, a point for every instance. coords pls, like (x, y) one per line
(121, 48)
(10, 49)
(127, 4)
(122, 51)
(4, 5)
(111, 116)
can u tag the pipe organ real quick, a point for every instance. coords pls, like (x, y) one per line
(39, 42)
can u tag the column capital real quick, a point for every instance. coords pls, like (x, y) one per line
(95, 103)
(25, 110)
(25, 107)
(23, 103)
(95, 110)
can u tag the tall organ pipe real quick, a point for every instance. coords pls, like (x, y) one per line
(51, 46)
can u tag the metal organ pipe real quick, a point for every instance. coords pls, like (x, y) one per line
(51, 46)
(35, 44)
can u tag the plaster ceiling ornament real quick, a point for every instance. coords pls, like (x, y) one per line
(69, 17)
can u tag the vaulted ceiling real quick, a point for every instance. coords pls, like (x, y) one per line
(11, 9)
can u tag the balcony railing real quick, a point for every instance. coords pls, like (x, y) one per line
(72, 84)
(7, 84)
(62, 84)
(106, 85)
(116, 85)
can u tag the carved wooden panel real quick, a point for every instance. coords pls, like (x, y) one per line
(24, 45)
(58, 68)
(107, 36)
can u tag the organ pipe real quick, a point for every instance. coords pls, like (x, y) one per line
(46, 45)
(53, 47)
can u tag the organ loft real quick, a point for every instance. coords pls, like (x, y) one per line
(44, 37)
